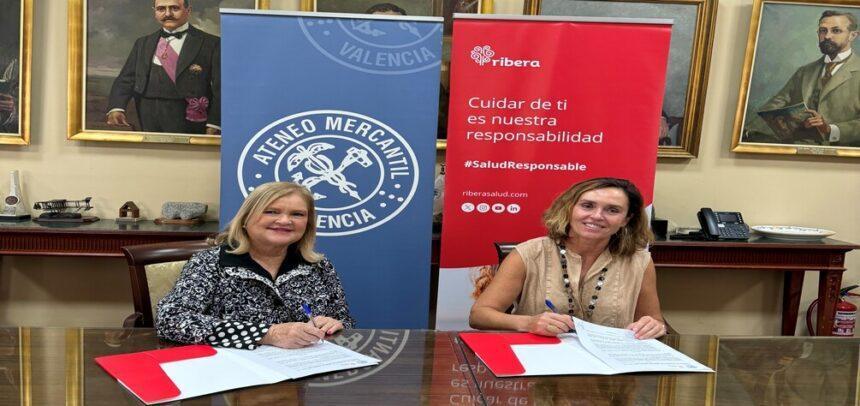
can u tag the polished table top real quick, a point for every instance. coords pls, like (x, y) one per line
(55, 366)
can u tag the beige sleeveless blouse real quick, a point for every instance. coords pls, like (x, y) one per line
(616, 303)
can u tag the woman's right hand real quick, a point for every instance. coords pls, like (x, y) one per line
(549, 324)
(292, 335)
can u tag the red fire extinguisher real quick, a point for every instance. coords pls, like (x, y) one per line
(845, 318)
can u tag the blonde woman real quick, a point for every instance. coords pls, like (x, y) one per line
(592, 265)
(254, 285)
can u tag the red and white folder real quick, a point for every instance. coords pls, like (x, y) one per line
(195, 370)
(593, 350)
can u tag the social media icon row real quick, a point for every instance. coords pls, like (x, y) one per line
(512, 208)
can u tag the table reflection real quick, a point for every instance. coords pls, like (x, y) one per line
(408, 373)
(47, 366)
(628, 389)
(14, 366)
(780, 371)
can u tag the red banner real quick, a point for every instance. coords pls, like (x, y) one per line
(537, 106)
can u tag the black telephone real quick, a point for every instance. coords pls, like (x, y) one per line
(723, 225)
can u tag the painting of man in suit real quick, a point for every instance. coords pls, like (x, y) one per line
(173, 76)
(826, 91)
(128, 44)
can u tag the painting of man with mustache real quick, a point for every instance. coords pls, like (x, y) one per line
(173, 76)
(827, 88)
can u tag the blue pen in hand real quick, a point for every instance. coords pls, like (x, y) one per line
(552, 307)
(307, 309)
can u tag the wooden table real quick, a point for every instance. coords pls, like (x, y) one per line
(50, 366)
(794, 258)
(100, 239)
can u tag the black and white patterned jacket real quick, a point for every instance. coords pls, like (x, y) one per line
(231, 301)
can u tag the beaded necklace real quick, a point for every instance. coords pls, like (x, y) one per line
(589, 311)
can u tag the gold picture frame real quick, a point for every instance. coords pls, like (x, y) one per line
(774, 83)
(83, 125)
(15, 71)
(689, 59)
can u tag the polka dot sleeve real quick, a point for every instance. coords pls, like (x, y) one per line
(234, 334)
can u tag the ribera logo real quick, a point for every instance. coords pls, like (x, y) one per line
(483, 55)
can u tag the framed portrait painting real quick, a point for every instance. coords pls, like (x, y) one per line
(689, 58)
(800, 87)
(16, 27)
(146, 70)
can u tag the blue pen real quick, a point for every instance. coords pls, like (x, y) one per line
(552, 307)
(307, 309)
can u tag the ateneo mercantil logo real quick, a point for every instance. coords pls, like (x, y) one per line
(384, 345)
(323, 170)
(361, 171)
(483, 55)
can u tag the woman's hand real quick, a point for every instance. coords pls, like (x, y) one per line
(292, 335)
(328, 324)
(647, 327)
(549, 324)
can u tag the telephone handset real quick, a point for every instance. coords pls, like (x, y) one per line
(723, 225)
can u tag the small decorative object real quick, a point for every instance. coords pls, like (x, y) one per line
(182, 213)
(14, 208)
(56, 211)
(129, 213)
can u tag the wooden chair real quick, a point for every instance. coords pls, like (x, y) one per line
(505, 248)
(154, 269)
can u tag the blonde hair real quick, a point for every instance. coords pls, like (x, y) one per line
(235, 237)
(485, 275)
(635, 235)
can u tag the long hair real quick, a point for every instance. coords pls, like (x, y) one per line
(636, 234)
(235, 237)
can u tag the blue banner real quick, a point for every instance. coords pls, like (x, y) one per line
(346, 105)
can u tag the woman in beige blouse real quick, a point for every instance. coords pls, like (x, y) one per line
(591, 265)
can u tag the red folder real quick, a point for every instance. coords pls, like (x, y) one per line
(141, 371)
(494, 349)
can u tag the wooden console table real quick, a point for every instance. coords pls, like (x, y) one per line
(794, 258)
(100, 239)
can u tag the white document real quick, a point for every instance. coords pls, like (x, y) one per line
(599, 350)
(619, 349)
(233, 368)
